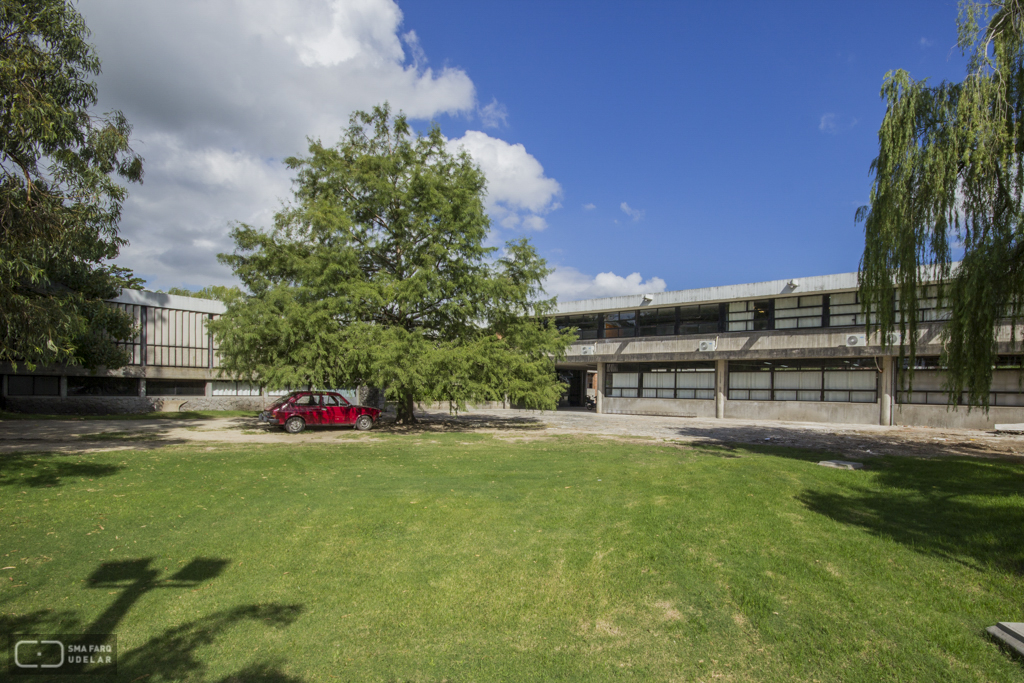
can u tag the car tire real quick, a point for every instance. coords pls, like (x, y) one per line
(294, 425)
(364, 423)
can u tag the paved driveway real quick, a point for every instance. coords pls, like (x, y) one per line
(856, 441)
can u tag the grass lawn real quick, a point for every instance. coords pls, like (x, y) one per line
(462, 557)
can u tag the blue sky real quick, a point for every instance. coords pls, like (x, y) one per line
(717, 143)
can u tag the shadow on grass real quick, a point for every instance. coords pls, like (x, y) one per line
(40, 471)
(966, 510)
(174, 654)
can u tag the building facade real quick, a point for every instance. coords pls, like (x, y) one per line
(785, 349)
(174, 366)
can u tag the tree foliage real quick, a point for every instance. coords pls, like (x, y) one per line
(950, 175)
(60, 201)
(378, 274)
(215, 292)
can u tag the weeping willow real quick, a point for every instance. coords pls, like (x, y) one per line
(949, 178)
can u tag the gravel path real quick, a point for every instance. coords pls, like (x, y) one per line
(854, 441)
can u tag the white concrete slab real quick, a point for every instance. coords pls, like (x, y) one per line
(1011, 428)
(1010, 633)
(842, 464)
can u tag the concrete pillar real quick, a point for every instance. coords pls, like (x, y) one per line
(720, 380)
(209, 389)
(142, 388)
(599, 389)
(63, 386)
(885, 395)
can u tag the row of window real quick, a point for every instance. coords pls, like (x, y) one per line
(170, 337)
(841, 380)
(43, 385)
(841, 309)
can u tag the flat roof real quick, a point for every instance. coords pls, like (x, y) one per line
(755, 290)
(139, 297)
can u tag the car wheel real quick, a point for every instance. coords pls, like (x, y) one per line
(364, 423)
(294, 425)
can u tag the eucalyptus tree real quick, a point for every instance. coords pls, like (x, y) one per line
(60, 199)
(378, 273)
(949, 178)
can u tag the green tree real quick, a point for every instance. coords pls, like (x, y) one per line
(378, 274)
(60, 201)
(950, 175)
(216, 292)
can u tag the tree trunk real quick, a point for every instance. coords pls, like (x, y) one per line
(404, 410)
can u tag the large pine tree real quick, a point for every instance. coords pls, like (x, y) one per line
(378, 274)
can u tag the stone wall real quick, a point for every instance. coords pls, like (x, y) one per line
(114, 405)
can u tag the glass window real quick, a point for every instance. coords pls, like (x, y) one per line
(229, 388)
(692, 380)
(585, 324)
(700, 319)
(33, 385)
(102, 386)
(841, 380)
(798, 311)
(175, 387)
(620, 324)
(657, 322)
(306, 400)
(750, 315)
(845, 310)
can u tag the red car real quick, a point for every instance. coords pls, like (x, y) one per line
(293, 412)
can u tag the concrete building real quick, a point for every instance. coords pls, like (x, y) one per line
(786, 349)
(174, 365)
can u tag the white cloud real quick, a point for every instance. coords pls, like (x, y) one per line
(589, 207)
(569, 284)
(827, 123)
(518, 192)
(635, 214)
(494, 115)
(924, 42)
(220, 92)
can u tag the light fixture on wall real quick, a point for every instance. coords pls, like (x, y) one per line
(793, 284)
(648, 297)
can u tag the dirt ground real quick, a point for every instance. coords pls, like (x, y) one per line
(846, 440)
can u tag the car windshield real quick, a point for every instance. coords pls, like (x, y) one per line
(284, 399)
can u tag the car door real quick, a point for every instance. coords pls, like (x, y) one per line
(332, 409)
(347, 412)
(307, 406)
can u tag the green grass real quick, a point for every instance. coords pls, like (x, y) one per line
(183, 415)
(461, 557)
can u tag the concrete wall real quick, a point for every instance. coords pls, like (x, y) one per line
(940, 416)
(113, 405)
(803, 411)
(659, 406)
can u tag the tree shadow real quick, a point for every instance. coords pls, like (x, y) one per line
(175, 654)
(965, 510)
(41, 470)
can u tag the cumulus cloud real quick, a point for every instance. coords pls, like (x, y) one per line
(220, 92)
(589, 207)
(569, 284)
(635, 214)
(494, 115)
(924, 42)
(827, 123)
(518, 192)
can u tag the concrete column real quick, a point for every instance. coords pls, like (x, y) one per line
(63, 386)
(142, 388)
(209, 389)
(599, 389)
(720, 378)
(885, 395)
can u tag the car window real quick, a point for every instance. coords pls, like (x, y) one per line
(307, 400)
(330, 401)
